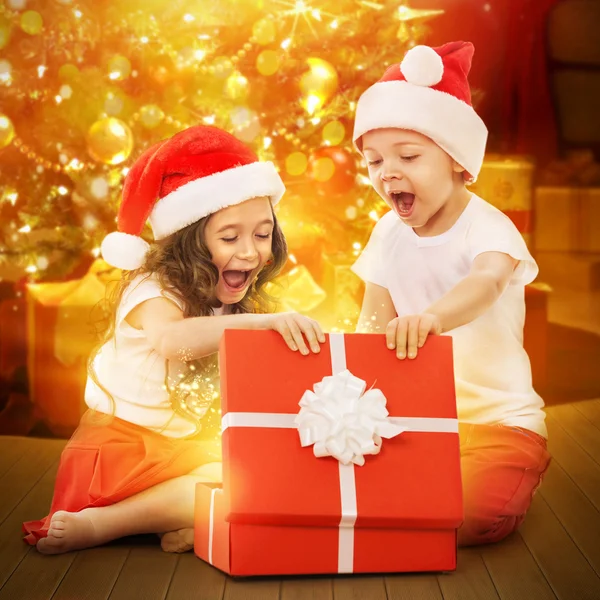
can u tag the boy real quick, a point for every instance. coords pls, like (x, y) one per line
(444, 261)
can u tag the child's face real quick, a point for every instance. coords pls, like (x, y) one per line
(239, 239)
(411, 173)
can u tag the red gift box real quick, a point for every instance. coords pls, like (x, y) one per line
(283, 511)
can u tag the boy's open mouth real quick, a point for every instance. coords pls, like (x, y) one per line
(236, 280)
(403, 202)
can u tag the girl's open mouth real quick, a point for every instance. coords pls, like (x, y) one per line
(236, 281)
(404, 203)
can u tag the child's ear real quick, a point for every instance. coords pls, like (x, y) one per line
(457, 168)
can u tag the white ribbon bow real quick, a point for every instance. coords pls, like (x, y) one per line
(343, 421)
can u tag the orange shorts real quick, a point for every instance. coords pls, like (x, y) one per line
(502, 467)
(108, 459)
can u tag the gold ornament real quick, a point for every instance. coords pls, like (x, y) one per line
(334, 133)
(119, 68)
(246, 124)
(110, 141)
(32, 22)
(151, 116)
(237, 87)
(267, 62)
(264, 32)
(323, 169)
(68, 72)
(7, 131)
(296, 163)
(318, 84)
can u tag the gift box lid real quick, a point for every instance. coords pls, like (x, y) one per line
(270, 479)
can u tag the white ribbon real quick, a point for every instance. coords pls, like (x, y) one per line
(211, 524)
(341, 421)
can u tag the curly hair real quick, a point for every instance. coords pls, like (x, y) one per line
(183, 265)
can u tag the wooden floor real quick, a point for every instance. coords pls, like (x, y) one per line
(556, 553)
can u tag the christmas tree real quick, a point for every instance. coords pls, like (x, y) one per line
(87, 85)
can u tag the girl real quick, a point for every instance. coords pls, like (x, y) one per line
(149, 434)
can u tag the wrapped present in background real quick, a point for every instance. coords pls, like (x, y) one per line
(344, 290)
(535, 334)
(352, 497)
(60, 338)
(296, 290)
(567, 219)
(507, 183)
(578, 169)
(13, 336)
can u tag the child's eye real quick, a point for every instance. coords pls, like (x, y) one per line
(264, 236)
(372, 163)
(229, 240)
(409, 158)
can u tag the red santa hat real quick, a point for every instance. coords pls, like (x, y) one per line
(181, 180)
(428, 92)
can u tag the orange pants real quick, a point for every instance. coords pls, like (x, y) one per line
(502, 467)
(106, 462)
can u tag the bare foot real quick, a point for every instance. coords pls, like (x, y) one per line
(69, 531)
(177, 541)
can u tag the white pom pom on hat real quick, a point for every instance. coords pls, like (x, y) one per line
(428, 92)
(422, 65)
(181, 180)
(124, 251)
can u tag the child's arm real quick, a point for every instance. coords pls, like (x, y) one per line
(469, 299)
(176, 337)
(475, 294)
(377, 310)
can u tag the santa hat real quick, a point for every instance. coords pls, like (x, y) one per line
(181, 180)
(428, 92)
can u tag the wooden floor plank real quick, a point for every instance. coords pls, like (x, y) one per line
(577, 514)
(307, 589)
(413, 587)
(146, 574)
(37, 576)
(563, 565)
(579, 428)
(34, 505)
(252, 589)
(20, 478)
(353, 588)
(582, 469)
(195, 580)
(471, 580)
(93, 574)
(590, 409)
(514, 571)
(11, 450)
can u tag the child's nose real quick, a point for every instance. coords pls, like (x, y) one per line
(391, 173)
(391, 170)
(247, 251)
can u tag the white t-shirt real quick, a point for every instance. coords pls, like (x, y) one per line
(492, 370)
(134, 373)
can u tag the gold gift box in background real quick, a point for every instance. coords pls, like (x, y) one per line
(567, 219)
(506, 182)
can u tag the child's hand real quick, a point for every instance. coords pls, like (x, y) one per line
(410, 333)
(292, 325)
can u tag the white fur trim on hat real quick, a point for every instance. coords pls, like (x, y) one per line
(451, 123)
(124, 251)
(422, 65)
(206, 195)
